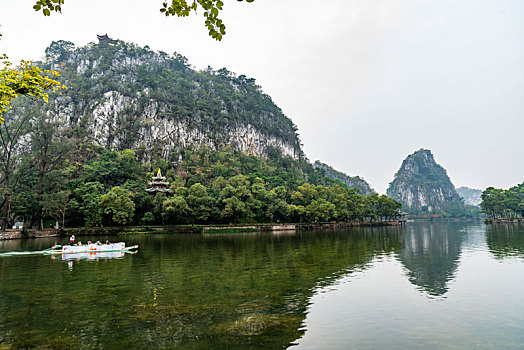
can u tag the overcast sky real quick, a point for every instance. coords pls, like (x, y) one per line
(367, 82)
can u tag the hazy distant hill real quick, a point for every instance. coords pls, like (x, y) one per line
(471, 196)
(424, 187)
(349, 181)
(128, 96)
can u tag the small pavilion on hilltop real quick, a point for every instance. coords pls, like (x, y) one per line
(158, 185)
(105, 38)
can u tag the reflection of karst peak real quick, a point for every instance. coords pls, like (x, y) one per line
(431, 255)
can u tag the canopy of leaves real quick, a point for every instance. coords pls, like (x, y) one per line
(26, 80)
(109, 187)
(499, 203)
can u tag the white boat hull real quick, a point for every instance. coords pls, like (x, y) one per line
(91, 248)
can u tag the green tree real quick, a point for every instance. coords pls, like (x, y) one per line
(148, 218)
(56, 204)
(49, 149)
(263, 201)
(305, 193)
(237, 198)
(89, 195)
(158, 207)
(297, 212)
(25, 80)
(339, 196)
(387, 207)
(320, 210)
(355, 204)
(118, 204)
(11, 133)
(370, 206)
(175, 209)
(279, 207)
(199, 203)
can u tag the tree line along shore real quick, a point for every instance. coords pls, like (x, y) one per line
(110, 188)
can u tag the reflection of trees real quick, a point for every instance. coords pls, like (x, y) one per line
(232, 291)
(505, 240)
(430, 255)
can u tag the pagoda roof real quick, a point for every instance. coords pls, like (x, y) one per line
(158, 189)
(104, 38)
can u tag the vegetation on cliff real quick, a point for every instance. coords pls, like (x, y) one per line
(424, 188)
(225, 147)
(349, 181)
(128, 96)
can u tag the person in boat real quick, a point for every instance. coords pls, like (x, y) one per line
(72, 240)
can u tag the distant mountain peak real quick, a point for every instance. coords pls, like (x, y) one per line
(349, 181)
(424, 187)
(471, 196)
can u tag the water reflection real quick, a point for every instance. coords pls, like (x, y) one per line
(505, 240)
(431, 253)
(226, 291)
(234, 291)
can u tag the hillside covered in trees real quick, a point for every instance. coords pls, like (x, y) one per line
(349, 181)
(228, 152)
(109, 188)
(130, 97)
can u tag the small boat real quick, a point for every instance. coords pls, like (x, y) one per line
(90, 248)
(95, 256)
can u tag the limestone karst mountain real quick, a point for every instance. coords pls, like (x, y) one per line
(126, 96)
(471, 196)
(424, 187)
(349, 181)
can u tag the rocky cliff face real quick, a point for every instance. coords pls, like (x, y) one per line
(349, 181)
(471, 196)
(423, 186)
(126, 96)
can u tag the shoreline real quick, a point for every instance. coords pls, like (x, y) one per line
(187, 229)
(504, 221)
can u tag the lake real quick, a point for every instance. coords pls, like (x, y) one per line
(426, 285)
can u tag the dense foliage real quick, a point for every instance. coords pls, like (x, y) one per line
(77, 183)
(499, 203)
(25, 80)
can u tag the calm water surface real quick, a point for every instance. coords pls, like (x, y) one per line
(430, 286)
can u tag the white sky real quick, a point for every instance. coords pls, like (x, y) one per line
(366, 81)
